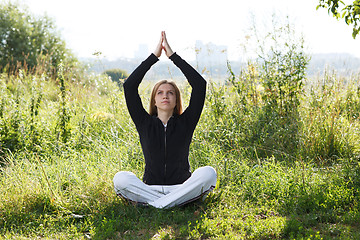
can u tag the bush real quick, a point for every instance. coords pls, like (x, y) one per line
(117, 75)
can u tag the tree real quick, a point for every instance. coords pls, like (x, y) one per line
(350, 12)
(28, 41)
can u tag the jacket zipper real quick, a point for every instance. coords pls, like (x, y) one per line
(165, 156)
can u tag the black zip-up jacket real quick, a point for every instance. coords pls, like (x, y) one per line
(165, 150)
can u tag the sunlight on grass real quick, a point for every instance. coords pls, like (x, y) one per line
(287, 159)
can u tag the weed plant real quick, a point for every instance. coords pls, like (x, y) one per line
(51, 188)
(286, 150)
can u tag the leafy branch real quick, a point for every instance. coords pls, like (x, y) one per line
(350, 12)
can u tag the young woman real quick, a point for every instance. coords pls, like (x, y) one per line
(165, 136)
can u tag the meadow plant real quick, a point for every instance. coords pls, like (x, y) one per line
(330, 117)
(285, 149)
(265, 98)
(63, 127)
(69, 194)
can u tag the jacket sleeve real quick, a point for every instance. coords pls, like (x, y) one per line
(198, 85)
(131, 85)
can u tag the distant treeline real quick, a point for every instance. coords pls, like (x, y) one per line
(344, 64)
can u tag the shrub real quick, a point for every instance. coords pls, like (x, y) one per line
(117, 75)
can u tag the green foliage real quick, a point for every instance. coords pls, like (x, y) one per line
(63, 189)
(282, 77)
(63, 126)
(10, 133)
(286, 151)
(27, 41)
(264, 116)
(117, 75)
(350, 12)
(19, 119)
(331, 118)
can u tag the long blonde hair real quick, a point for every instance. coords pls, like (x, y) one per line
(178, 107)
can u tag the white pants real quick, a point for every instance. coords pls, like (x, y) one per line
(201, 182)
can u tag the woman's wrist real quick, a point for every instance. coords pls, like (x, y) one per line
(169, 53)
(172, 53)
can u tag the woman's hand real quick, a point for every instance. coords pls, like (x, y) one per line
(166, 46)
(163, 44)
(159, 47)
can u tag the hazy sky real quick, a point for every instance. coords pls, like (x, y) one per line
(117, 27)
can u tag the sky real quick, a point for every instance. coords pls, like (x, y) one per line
(116, 28)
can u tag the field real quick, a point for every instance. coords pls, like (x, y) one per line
(287, 158)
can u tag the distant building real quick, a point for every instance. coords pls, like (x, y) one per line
(211, 59)
(142, 52)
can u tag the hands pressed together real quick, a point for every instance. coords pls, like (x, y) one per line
(163, 45)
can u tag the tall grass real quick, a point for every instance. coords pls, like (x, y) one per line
(53, 188)
(285, 149)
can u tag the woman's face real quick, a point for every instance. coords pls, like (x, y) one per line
(165, 98)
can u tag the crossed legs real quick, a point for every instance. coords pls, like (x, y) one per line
(201, 182)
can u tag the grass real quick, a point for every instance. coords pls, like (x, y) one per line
(73, 198)
(56, 189)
